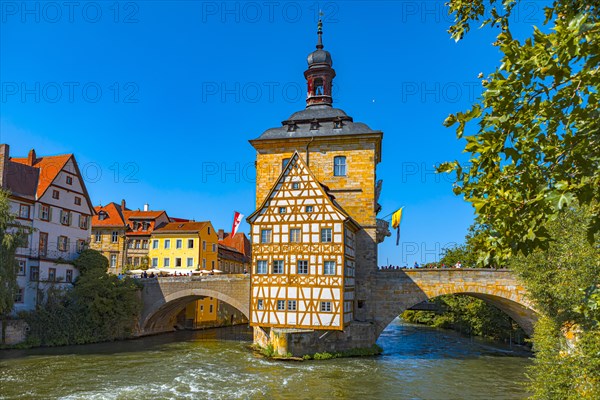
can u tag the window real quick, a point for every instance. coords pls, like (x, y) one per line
(113, 261)
(260, 304)
(214, 246)
(291, 305)
(129, 260)
(23, 211)
(144, 226)
(19, 295)
(339, 166)
(138, 244)
(77, 201)
(318, 86)
(210, 309)
(65, 217)
(265, 236)
(136, 261)
(280, 305)
(308, 209)
(155, 244)
(43, 244)
(84, 221)
(212, 263)
(44, 212)
(190, 262)
(326, 306)
(69, 275)
(326, 235)
(329, 268)
(262, 266)
(295, 235)
(102, 216)
(204, 245)
(69, 180)
(98, 237)
(295, 186)
(34, 273)
(55, 194)
(63, 243)
(144, 244)
(154, 262)
(284, 163)
(166, 262)
(190, 243)
(167, 243)
(130, 244)
(278, 266)
(114, 238)
(178, 262)
(204, 263)
(80, 245)
(208, 230)
(21, 268)
(282, 210)
(51, 274)
(178, 243)
(303, 266)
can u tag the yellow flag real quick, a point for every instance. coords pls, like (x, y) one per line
(396, 218)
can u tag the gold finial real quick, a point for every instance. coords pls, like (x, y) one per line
(320, 31)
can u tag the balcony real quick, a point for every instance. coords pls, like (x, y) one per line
(383, 230)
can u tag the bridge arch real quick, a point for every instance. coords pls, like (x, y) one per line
(165, 309)
(401, 290)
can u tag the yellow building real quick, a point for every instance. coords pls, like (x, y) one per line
(199, 313)
(184, 246)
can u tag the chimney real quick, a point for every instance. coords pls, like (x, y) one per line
(146, 207)
(123, 205)
(31, 157)
(4, 158)
(221, 234)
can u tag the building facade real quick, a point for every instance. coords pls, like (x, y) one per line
(184, 245)
(109, 231)
(48, 195)
(141, 224)
(315, 231)
(234, 252)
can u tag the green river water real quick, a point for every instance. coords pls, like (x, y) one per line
(418, 363)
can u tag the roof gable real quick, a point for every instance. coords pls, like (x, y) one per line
(309, 192)
(114, 216)
(49, 167)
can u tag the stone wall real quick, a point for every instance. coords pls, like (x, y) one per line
(12, 331)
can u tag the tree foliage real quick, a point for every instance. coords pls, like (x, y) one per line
(11, 237)
(537, 143)
(99, 307)
(564, 283)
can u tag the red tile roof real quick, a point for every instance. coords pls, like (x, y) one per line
(129, 214)
(132, 217)
(239, 242)
(182, 227)
(49, 166)
(114, 218)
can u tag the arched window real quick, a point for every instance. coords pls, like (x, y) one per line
(318, 86)
(339, 166)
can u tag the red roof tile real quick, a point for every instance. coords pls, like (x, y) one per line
(49, 166)
(239, 242)
(114, 216)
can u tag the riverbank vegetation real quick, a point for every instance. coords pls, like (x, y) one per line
(533, 178)
(99, 307)
(12, 236)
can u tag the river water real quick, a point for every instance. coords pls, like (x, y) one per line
(418, 363)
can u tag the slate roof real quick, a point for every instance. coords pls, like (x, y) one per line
(326, 116)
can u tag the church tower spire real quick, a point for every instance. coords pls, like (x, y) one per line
(319, 75)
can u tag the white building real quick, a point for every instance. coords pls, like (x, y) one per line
(47, 194)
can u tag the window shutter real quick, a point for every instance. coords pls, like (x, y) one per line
(49, 213)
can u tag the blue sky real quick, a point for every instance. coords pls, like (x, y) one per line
(157, 100)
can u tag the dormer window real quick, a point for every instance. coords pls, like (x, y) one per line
(292, 127)
(337, 124)
(144, 226)
(102, 215)
(314, 125)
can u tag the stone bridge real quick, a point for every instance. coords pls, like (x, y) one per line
(164, 298)
(397, 290)
(392, 292)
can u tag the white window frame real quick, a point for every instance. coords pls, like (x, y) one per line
(329, 267)
(295, 235)
(280, 305)
(114, 237)
(326, 235)
(266, 236)
(304, 270)
(291, 305)
(278, 267)
(154, 262)
(190, 262)
(166, 262)
(178, 244)
(326, 306)
(167, 243)
(339, 166)
(155, 243)
(262, 267)
(24, 211)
